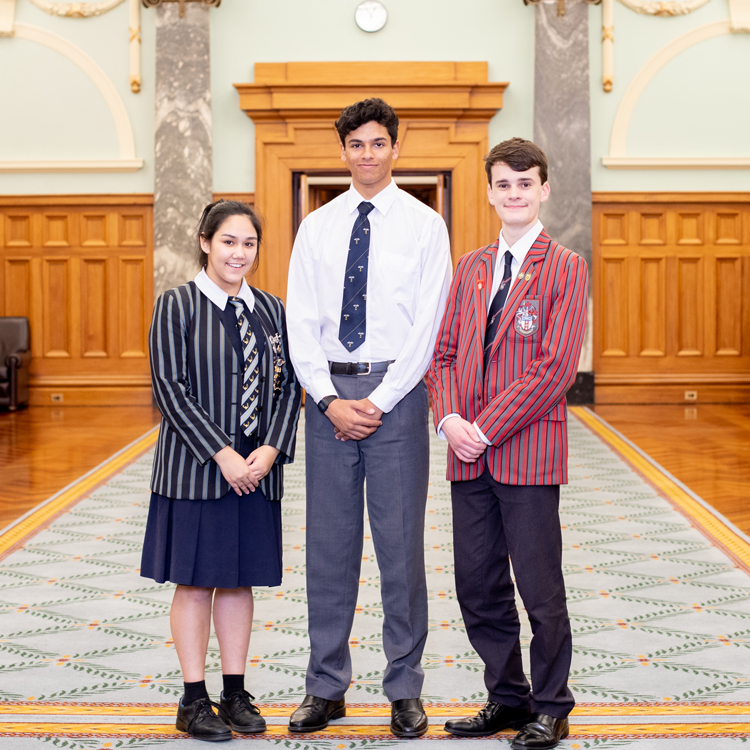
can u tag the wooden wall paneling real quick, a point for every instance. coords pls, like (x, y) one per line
(690, 227)
(95, 229)
(55, 304)
(19, 230)
(94, 306)
(652, 307)
(653, 228)
(727, 227)
(59, 229)
(614, 228)
(613, 302)
(17, 286)
(133, 326)
(690, 307)
(133, 229)
(685, 259)
(728, 309)
(81, 269)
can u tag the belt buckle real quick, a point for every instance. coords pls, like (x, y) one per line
(369, 368)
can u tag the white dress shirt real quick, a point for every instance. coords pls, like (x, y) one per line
(409, 274)
(519, 251)
(218, 296)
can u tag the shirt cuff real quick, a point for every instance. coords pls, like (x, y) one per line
(481, 435)
(321, 388)
(440, 432)
(385, 398)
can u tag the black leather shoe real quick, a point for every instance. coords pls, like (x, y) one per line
(200, 722)
(541, 733)
(408, 718)
(237, 711)
(490, 719)
(315, 713)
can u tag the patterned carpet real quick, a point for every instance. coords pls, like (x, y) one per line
(658, 592)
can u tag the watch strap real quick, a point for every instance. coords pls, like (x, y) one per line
(325, 402)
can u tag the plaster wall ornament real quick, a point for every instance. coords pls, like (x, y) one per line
(91, 10)
(76, 10)
(127, 161)
(739, 15)
(134, 33)
(670, 8)
(608, 45)
(617, 158)
(7, 13)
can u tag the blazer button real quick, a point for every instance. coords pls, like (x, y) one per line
(262, 378)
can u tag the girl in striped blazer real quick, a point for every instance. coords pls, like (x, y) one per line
(229, 401)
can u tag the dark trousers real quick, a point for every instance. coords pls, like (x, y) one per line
(395, 461)
(493, 522)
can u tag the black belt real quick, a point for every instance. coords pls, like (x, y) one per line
(358, 368)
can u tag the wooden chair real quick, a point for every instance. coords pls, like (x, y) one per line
(15, 358)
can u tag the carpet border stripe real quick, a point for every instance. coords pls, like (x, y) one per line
(368, 731)
(713, 526)
(40, 517)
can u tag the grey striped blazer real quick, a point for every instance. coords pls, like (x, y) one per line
(196, 374)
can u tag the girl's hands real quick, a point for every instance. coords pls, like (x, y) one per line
(260, 461)
(241, 477)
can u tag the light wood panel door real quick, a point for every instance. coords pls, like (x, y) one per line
(671, 297)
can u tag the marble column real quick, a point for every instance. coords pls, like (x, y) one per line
(183, 183)
(562, 127)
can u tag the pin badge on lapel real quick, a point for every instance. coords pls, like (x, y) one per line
(480, 284)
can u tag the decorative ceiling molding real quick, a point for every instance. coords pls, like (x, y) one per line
(127, 161)
(617, 158)
(76, 10)
(657, 8)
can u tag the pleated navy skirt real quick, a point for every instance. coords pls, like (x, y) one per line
(226, 543)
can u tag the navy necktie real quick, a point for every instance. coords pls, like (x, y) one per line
(496, 308)
(353, 325)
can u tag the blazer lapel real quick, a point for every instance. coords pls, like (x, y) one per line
(481, 288)
(523, 281)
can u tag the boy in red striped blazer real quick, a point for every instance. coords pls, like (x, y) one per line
(506, 353)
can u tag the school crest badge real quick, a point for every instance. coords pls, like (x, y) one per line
(527, 317)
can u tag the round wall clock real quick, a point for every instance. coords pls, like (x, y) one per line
(371, 15)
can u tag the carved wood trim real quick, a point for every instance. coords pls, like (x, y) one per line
(444, 110)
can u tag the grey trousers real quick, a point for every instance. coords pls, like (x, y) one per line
(395, 461)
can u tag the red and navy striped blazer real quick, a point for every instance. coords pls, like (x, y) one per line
(520, 405)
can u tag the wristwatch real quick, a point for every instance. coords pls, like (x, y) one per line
(324, 403)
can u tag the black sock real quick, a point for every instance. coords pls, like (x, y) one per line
(194, 691)
(233, 683)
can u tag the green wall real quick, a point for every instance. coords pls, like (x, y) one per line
(698, 105)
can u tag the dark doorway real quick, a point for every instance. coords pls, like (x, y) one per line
(312, 190)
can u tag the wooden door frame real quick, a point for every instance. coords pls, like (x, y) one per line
(444, 110)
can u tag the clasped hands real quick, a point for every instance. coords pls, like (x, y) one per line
(354, 420)
(464, 439)
(244, 474)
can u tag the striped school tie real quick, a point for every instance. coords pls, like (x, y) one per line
(251, 376)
